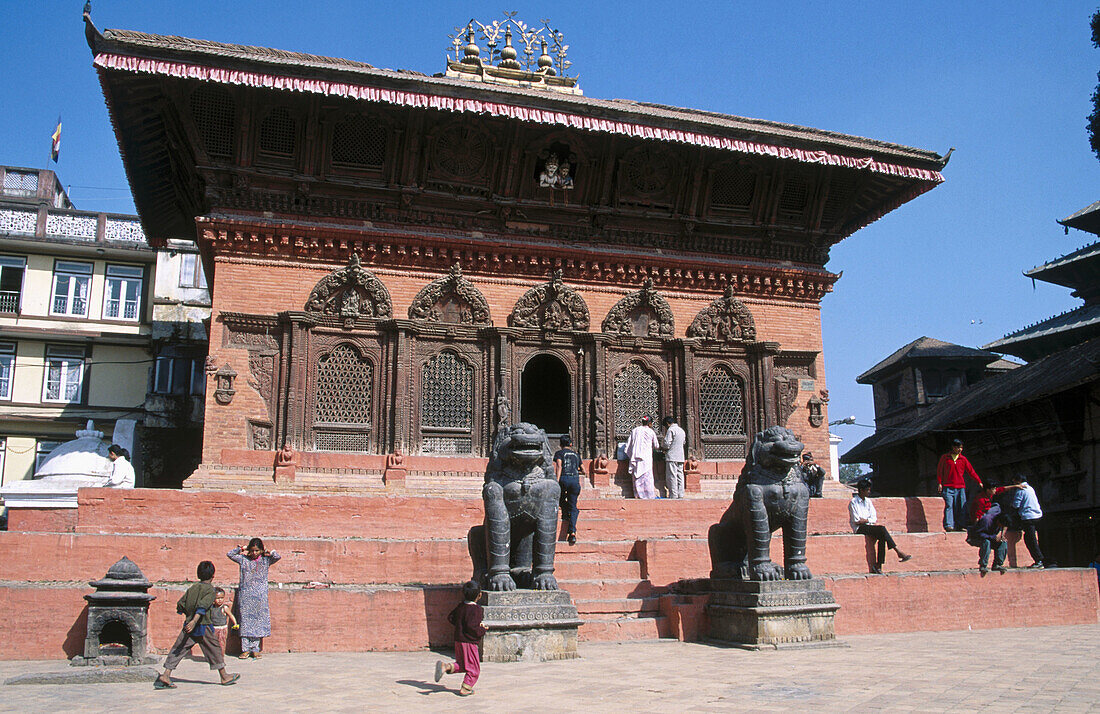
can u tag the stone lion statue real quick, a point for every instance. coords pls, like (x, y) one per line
(770, 494)
(515, 546)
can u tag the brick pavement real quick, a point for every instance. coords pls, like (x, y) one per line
(1034, 669)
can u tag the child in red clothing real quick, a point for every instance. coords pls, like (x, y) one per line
(466, 617)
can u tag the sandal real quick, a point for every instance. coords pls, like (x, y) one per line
(244, 655)
(257, 655)
(159, 683)
(232, 680)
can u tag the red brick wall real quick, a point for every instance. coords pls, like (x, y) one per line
(262, 287)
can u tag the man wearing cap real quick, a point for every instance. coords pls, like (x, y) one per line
(639, 452)
(812, 474)
(674, 457)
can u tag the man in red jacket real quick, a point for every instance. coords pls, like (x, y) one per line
(951, 478)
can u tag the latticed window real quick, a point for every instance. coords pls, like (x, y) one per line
(345, 388)
(636, 395)
(841, 188)
(733, 187)
(446, 405)
(796, 192)
(277, 133)
(722, 414)
(214, 112)
(359, 142)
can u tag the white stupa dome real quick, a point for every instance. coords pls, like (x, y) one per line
(86, 455)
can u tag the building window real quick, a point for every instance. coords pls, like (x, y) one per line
(893, 393)
(64, 374)
(3, 456)
(722, 414)
(179, 375)
(446, 405)
(636, 395)
(11, 282)
(42, 449)
(7, 369)
(123, 298)
(938, 383)
(191, 272)
(343, 401)
(21, 183)
(70, 288)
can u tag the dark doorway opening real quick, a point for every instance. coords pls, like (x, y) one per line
(546, 396)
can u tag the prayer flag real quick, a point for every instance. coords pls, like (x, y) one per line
(55, 149)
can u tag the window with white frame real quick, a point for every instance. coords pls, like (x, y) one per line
(64, 374)
(123, 298)
(191, 273)
(3, 455)
(7, 370)
(71, 282)
(179, 375)
(42, 449)
(11, 282)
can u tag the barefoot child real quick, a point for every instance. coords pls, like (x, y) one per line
(466, 617)
(196, 605)
(222, 617)
(252, 595)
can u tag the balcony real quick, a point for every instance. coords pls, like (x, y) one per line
(9, 301)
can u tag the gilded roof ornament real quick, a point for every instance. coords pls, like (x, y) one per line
(498, 58)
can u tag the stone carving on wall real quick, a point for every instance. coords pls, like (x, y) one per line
(223, 381)
(351, 293)
(725, 320)
(259, 435)
(817, 413)
(451, 299)
(261, 368)
(642, 314)
(786, 393)
(553, 306)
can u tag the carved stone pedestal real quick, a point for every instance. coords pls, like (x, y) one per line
(769, 615)
(529, 626)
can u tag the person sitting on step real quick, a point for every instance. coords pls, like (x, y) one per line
(864, 520)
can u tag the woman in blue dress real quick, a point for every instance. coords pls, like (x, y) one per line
(254, 617)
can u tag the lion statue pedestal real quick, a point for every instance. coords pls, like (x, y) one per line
(528, 616)
(755, 603)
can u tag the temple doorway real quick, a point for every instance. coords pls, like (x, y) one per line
(546, 396)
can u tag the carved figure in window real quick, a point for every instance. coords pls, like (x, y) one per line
(549, 176)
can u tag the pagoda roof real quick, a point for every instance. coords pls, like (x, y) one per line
(1087, 219)
(926, 348)
(1052, 334)
(1081, 268)
(1050, 375)
(124, 58)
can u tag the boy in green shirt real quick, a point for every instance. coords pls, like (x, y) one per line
(196, 605)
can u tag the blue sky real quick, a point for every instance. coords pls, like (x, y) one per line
(1007, 85)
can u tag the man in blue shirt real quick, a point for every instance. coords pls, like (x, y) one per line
(567, 467)
(1026, 505)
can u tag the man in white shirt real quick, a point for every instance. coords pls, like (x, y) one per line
(639, 452)
(864, 520)
(674, 457)
(122, 473)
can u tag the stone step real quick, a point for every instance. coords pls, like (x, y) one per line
(618, 607)
(597, 569)
(623, 629)
(609, 589)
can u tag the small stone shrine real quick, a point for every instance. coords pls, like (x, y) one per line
(755, 603)
(118, 619)
(528, 617)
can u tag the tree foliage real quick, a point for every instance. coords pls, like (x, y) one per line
(1094, 118)
(850, 473)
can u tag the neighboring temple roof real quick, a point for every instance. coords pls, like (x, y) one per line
(121, 56)
(1056, 373)
(1051, 334)
(926, 348)
(1081, 268)
(1087, 219)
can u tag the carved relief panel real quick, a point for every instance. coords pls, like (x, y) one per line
(461, 159)
(725, 320)
(452, 299)
(351, 293)
(642, 314)
(648, 176)
(553, 307)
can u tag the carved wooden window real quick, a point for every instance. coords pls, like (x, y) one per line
(722, 414)
(636, 395)
(794, 197)
(358, 142)
(214, 113)
(344, 392)
(733, 188)
(842, 186)
(278, 134)
(446, 405)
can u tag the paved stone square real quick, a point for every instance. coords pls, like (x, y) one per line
(1033, 670)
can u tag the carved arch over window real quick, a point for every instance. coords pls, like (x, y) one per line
(642, 314)
(451, 299)
(350, 293)
(446, 405)
(553, 306)
(724, 320)
(637, 393)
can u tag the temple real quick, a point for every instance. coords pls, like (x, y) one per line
(400, 263)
